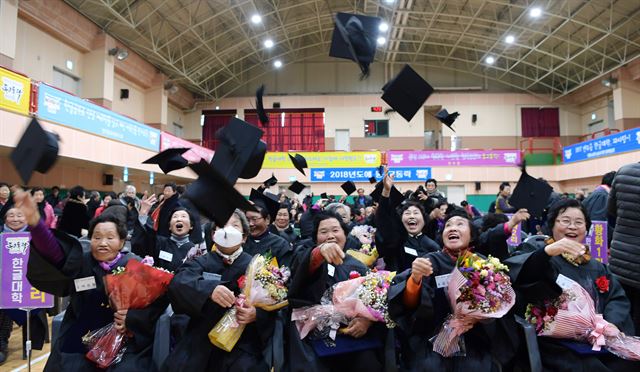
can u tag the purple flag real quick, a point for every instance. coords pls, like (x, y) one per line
(597, 240)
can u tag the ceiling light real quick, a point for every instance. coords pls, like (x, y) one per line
(121, 54)
(510, 39)
(277, 63)
(383, 27)
(381, 40)
(608, 82)
(255, 19)
(535, 12)
(389, 1)
(217, 107)
(268, 43)
(490, 60)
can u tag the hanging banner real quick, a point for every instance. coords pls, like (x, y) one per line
(363, 174)
(74, 112)
(464, 158)
(15, 92)
(626, 141)
(597, 241)
(17, 292)
(329, 159)
(169, 141)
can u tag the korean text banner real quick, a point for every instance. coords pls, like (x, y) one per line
(363, 174)
(626, 141)
(71, 111)
(15, 92)
(169, 141)
(329, 159)
(443, 158)
(597, 241)
(17, 292)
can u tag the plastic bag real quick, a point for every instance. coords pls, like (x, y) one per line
(226, 333)
(107, 346)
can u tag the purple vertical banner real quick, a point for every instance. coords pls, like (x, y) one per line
(515, 239)
(17, 292)
(597, 241)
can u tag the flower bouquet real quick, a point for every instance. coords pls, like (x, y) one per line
(478, 289)
(573, 316)
(135, 286)
(360, 296)
(264, 286)
(367, 254)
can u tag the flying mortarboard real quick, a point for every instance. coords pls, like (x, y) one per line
(265, 202)
(37, 150)
(241, 152)
(262, 115)
(354, 37)
(324, 195)
(297, 187)
(349, 187)
(530, 193)
(373, 180)
(395, 197)
(446, 118)
(407, 92)
(211, 183)
(169, 159)
(299, 162)
(272, 181)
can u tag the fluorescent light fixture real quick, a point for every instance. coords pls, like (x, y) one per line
(256, 19)
(490, 60)
(277, 63)
(217, 107)
(535, 12)
(381, 40)
(268, 43)
(383, 27)
(69, 64)
(510, 39)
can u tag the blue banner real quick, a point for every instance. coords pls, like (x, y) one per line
(626, 141)
(74, 112)
(363, 174)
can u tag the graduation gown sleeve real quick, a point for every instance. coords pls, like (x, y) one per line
(190, 292)
(493, 242)
(390, 233)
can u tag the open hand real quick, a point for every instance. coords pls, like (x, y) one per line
(223, 296)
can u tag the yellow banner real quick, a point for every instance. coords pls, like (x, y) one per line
(329, 159)
(15, 92)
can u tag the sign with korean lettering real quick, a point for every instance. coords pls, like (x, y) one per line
(618, 143)
(443, 158)
(15, 92)
(17, 292)
(363, 174)
(597, 241)
(74, 112)
(169, 141)
(328, 159)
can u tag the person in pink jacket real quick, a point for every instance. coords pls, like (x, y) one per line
(46, 210)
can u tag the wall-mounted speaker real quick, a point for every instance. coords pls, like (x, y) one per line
(474, 118)
(276, 105)
(107, 179)
(478, 186)
(124, 93)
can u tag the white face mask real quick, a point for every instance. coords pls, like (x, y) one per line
(227, 237)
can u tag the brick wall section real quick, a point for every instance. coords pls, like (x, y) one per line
(60, 21)
(136, 69)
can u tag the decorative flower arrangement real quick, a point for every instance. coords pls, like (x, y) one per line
(542, 315)
(603, 284)
(367, 254)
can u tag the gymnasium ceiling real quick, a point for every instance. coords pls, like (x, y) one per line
(212, 47)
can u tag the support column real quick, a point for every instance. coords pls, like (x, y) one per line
(98, 72)
(9, 22)
(156, 105)
(625, 104)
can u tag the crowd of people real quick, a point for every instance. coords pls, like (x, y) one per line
(419, 235)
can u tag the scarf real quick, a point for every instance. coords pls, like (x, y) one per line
(180, 240)
(228, 259)
(108, 266)
(7, 229)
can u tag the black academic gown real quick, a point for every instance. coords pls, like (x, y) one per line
(534, 277)
(190, 294)
(416, 326)
(165, 252)
(89, 310)
(306, 289)
(288, 234)
(271, 243)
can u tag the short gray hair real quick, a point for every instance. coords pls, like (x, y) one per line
(333, 208)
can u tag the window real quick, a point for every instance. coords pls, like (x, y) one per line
(66, 81)
(376, 128)
(291, 129)
(178, 131)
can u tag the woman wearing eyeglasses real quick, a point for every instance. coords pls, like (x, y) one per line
(537, 276)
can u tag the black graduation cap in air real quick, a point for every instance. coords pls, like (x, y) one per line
(299, 162)
(354, 37)
(297, 187)
(395, 197)
(169, 159)
(37, 150)
(213, 195)
(349, 187)
(324, 195)
(272, 181)
(240, 152)
(265, 202)
(407, 92)
(372, 180)
(530, 193)
(262, 115)
(446, 118)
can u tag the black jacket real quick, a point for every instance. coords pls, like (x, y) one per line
(74, 218)
(624, 206)
(596, 204)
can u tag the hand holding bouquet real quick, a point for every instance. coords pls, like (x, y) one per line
(573, 316)
(367, 254)
(135, 286)
(263, 286)
(478, 289)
